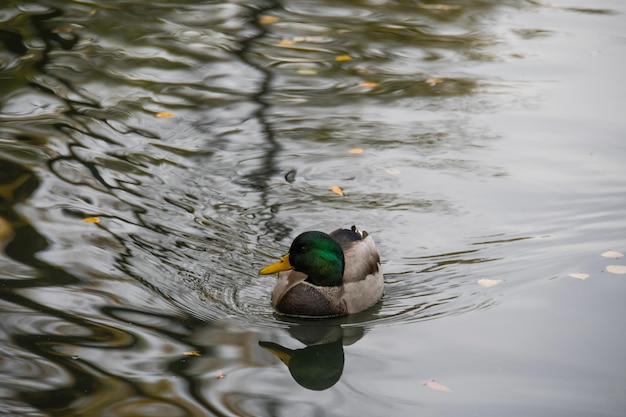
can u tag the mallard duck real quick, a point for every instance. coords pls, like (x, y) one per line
(326, 275)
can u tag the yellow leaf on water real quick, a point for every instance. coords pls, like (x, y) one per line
(286, 42)
(6, 229)
(92, 219)
(369, 84)
(486, 282)
(307, 71)
(579, 276)
(612, 254)
(436, 385)
(164, 114)
(267, 19)
(433, 81)
(343, 58)
(192, 353)
(337, 190)
(356, 150)
(616, 269)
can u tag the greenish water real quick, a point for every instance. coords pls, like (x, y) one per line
(204, 136)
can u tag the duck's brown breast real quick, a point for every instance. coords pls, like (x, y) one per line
(305, 299)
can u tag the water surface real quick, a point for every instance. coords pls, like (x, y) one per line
(199, 138)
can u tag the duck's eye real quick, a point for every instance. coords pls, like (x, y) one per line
(302, 248)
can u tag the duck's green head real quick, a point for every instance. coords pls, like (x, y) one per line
(316, 254)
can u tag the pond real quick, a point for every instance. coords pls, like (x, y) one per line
(155, 155)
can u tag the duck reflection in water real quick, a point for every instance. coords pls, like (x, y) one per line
(319, 365)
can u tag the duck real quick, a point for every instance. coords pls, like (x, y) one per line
(327, 275)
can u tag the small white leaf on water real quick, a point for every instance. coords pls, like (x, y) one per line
(486, 282)
(579, 276)
(393, 171)
(612, 254)
(436, 385)
(616, 269)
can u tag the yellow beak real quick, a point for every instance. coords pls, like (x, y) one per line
(282, 265)
(279, 351)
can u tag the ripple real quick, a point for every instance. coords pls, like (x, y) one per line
(148, 407)
(439, 286)
(442, 285)
(37, 330)
(31, 371)
(137, 313)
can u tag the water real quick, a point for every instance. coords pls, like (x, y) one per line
(205, 136)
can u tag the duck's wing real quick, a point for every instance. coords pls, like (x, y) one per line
(360, 254)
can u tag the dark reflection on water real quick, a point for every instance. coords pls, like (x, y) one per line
(203, 136)
(319, 364)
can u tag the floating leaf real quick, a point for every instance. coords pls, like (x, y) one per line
(267, 19)
(307, 71)
(356, 150)
(579, 276)
(436, 385)
(486, 282)
(433, 81)
(337, 190)
(616, 269)
(392, 171)
(92, 219)
(164, 114)
(369, 84)
(343, 58)
(6, 229)
(286, 42)
(612, 254)
(192, 353)
(290, 176)
(220, 375)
